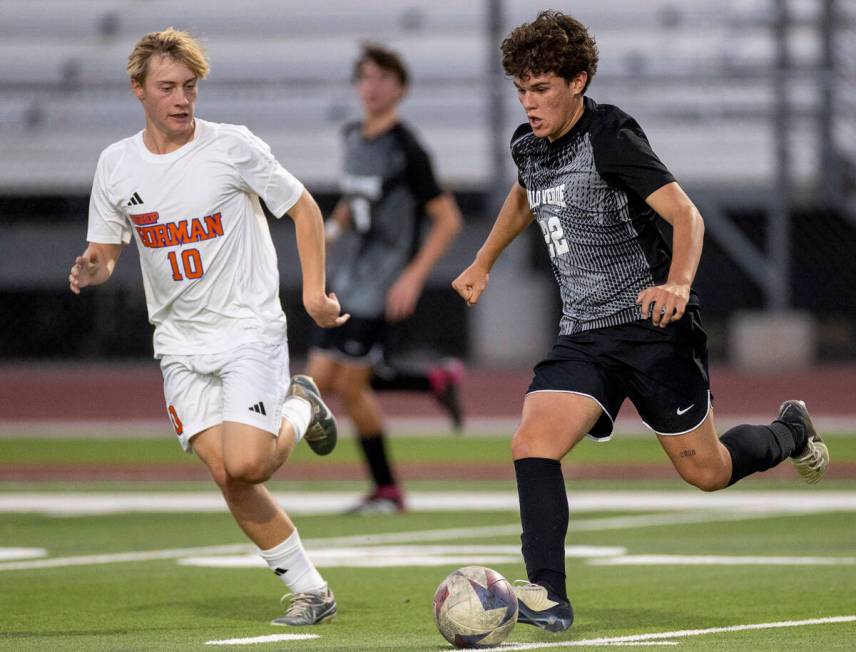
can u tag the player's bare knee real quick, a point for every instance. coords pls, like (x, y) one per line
(524, 444)
(706, 478)
(351, 395)
(249, 471)
(219, 475)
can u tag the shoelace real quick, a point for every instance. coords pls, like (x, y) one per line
(299, 602)
(813, 459)
(526, 585)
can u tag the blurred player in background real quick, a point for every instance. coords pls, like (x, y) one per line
(188, 191)
(630, 325)
(381, 267)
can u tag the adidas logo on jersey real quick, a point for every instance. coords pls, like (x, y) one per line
(135, 200)
(258, 408)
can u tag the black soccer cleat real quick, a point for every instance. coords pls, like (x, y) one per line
(535, 607)
(812, 460)
(321, 435)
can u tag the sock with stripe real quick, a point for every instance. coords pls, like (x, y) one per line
(290, 563)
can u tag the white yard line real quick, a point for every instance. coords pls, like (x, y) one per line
(123, 557)
(333, 502)
(654, 638)
(721, 560)
(271, 638)
(420, 536)
(683, 633)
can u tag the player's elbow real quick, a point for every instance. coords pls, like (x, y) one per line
(446, 214)
(696, 220)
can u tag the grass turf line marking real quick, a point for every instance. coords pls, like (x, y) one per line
(75, 504)
(270, 638)
(683, 633)
(22, 553)
(121, 557)
(721, 560)
(590, 525)
(401, 555)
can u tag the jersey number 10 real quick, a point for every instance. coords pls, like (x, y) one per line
(554, 236)
(191, 264)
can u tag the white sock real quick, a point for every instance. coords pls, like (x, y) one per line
(289, 561)
(298, 412)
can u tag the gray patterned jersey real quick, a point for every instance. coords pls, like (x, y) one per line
(386, 180)
(587, 192)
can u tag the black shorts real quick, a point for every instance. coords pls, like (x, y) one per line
(359, 340)
(663, 371)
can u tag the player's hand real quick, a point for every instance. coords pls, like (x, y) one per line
(325, 310)
(83, 271)
(403, 296)
(664, 303)
(471, 283)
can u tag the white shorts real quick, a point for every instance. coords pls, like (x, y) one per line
(246, 384)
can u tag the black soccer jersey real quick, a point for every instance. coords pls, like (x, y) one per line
(587, 193)
(387, 181)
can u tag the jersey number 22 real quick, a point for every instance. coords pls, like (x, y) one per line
(554, 236)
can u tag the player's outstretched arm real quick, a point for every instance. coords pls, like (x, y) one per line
(94, 266)
(514, 216)
(446, 221)
(309, 225)
(666, 303)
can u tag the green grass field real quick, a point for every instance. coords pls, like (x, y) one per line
(84, 602)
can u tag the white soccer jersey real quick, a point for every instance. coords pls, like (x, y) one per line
(208, 261)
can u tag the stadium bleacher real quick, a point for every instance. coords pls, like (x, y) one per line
(283, 69)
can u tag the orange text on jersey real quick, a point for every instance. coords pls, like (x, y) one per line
(182, 232)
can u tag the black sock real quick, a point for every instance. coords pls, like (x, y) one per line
(544, 517)
(757, 448)
(375, 452)
(386, 378)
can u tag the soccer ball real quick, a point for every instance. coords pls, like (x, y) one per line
(475, 607)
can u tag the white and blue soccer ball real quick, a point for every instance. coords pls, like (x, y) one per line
(475, 607)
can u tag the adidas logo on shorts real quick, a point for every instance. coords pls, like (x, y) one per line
(258, 408)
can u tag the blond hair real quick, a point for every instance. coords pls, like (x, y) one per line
(172, 43)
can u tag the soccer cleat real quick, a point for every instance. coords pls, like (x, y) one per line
(308, 609)
(536, 608)
(812, 460)
(385, 500)
(446, 388)
(321, 433)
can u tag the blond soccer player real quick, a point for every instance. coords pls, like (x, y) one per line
(188, 192)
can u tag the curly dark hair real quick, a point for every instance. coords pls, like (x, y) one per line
(384, 58)
(553, 42)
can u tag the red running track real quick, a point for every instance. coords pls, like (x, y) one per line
(134, 392)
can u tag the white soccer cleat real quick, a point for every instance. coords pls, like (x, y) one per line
(812, 461)
(308, 609)
(535, 607)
